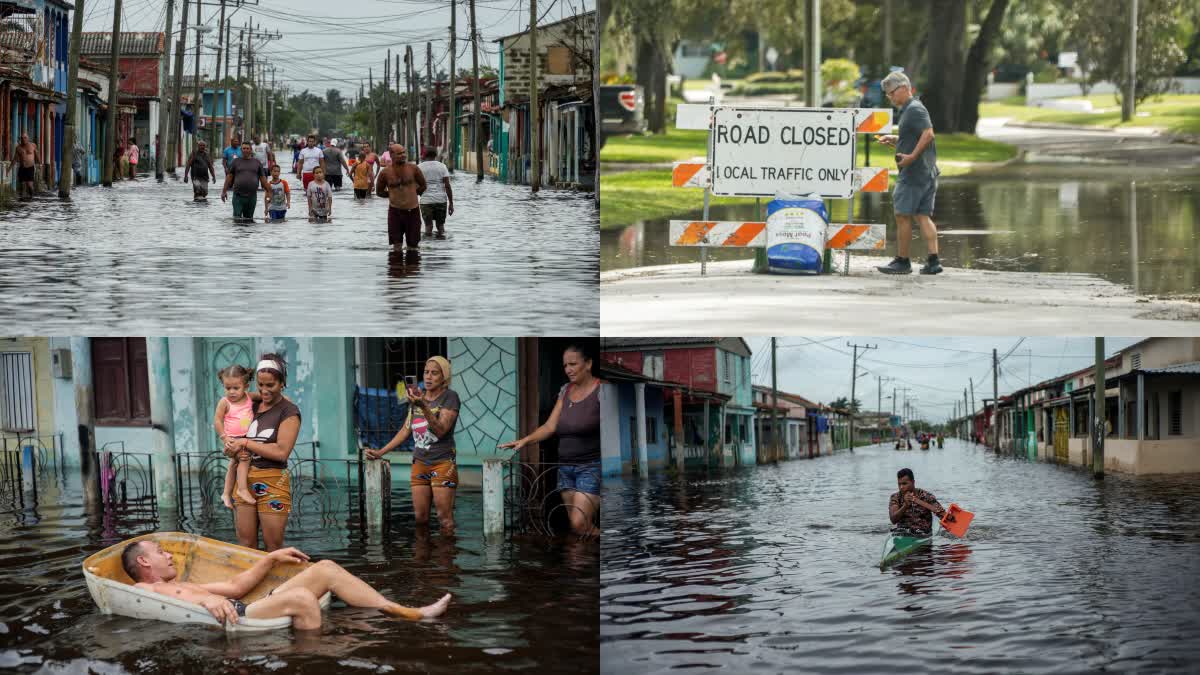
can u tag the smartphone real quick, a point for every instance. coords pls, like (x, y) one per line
(410, 380)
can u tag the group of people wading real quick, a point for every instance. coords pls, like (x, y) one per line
(417, 194)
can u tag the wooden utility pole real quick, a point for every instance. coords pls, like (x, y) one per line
(812, 49)
(414, 94)
(176, 88)
(995, 402)
(854, 384)
(475, 135)
(774, 401)
(427, 139)
(1099, 426)
(114, 83)
(226, 97)
(452, 116)
(964, 401)
(972, 409)
(166, 105)
(65, 174)
(219, 89)
(887, 37)
(241, 48)
(371, 103)
(535, 127)
(387, 79)
(197, 91)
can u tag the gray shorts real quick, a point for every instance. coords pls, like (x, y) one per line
(199, 187)
(913, 199)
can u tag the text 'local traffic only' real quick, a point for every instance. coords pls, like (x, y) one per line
(764, 152)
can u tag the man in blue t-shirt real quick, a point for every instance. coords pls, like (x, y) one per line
(231, 153)
(916, 156)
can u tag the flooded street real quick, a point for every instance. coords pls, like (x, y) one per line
(525, 602)
(143, 256)
(1025, 218)
(775, 568)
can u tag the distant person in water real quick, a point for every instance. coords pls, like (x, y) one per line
(437, 202)
(153, 569)
(320, 197)
(200, 167)
(26, 156)
(279, 199)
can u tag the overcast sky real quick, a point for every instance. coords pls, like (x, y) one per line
(935, 370)
(331, 44)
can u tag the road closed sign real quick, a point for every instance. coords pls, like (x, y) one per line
(759, 152)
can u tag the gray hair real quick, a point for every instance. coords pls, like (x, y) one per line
(893, 80)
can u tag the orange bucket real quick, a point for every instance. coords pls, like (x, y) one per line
(962, 520)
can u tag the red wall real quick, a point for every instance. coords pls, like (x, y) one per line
(139, 76)
(694, 367)
(628, 360)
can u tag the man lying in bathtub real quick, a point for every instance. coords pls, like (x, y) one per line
(154, 570)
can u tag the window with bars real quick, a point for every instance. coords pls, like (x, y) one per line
(120, 381)
(17, 402)
(383, 363)
(1175, 413)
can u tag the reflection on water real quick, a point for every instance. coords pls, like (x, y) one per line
(775, 568)
(1044, 219)
(144, 255)
(518, 604)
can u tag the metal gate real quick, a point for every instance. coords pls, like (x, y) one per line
(213, 355)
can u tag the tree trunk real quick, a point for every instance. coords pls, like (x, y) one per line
(658, 109)
(947, 19)
(644, 72)
(976, 70)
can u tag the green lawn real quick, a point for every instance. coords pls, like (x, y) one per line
(627, 197)
(1178, 113)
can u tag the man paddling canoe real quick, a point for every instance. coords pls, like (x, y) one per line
(912, 508)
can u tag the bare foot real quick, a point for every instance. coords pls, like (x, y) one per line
(428, 612)
(436, 609)
(245, 497)
(225, 499)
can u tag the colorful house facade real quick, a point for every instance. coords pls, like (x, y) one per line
(141, 82)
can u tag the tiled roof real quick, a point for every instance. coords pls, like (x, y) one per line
(1192, 368)
(132, 44)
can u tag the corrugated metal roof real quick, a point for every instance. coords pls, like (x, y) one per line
(1192, 368)
(132, 44)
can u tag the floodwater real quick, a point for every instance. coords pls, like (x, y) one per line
(519, 603)
(776, 568)
(143, 256)
(1027, 218)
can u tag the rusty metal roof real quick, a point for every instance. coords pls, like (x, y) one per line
(132, 44)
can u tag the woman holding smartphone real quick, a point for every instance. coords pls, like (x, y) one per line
(432, 416)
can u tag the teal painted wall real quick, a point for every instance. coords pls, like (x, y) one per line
(334, 378)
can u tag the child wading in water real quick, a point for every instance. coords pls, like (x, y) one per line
(232, 420)
(280, 199)
(320, 197)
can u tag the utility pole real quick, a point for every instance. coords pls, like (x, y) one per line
(854, 385)
(166, 104)
(65, 174)
(226, 98)
(964, 401)
(879, 379)
(995, 402)
(1098, 422)
(217, 72)
(114, 100)
(887, 35)
(476, 117)
(452, 117)
(176, 88)
(535, 126)
(1127, 108)
(198, 92)
(414, 95)
(971, 428)
(774, 401)
(812, 46)
(387, 79)
(241, 48)
(371, 103)
(427, 140)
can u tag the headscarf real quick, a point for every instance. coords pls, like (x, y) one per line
(444, 364)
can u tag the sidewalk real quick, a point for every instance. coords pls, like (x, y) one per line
(676, 300)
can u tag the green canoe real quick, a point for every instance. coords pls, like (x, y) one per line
(896, 546)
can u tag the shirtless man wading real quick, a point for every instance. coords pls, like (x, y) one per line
(153, 569)
(25, 156)
(402, 183)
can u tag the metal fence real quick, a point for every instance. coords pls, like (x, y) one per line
(126, 478)
(533, 502)
(324, 488)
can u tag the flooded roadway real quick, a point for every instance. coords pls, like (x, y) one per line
(143, 257)
(1024, 218)
(524, 603)
(775, 568)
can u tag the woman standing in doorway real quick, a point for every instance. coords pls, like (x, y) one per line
(268, 443)
(576, 421)
(432, 416)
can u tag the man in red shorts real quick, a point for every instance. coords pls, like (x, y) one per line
(402, 183)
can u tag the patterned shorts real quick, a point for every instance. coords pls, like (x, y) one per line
(443, 474)
(272, 490)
